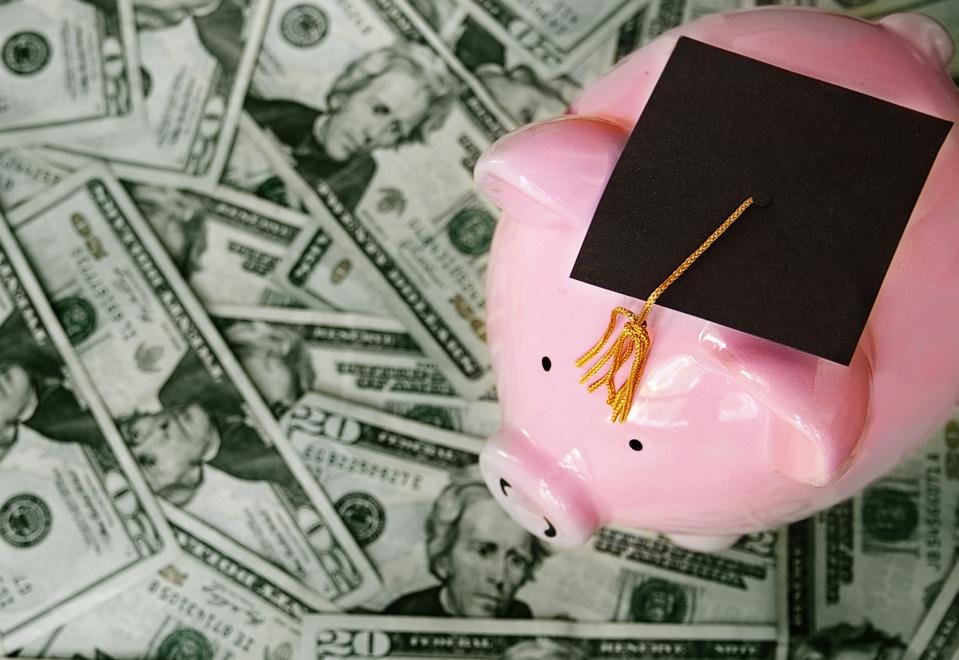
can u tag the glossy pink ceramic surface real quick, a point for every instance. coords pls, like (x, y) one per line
(738, 434)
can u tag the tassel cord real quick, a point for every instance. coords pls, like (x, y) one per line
(634, 337)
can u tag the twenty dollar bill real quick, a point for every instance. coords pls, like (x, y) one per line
(76, 524)
(384, 167)
(207, 443)
(355, 637)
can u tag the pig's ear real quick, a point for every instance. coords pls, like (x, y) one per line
(925, 34)
(553, 172)
(820, 409)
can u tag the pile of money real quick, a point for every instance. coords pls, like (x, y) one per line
(244, 379)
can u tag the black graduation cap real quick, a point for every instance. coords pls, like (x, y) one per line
(834, 174)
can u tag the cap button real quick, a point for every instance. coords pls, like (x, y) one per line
(762, 199)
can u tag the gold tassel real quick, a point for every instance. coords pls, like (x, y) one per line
(634, 337)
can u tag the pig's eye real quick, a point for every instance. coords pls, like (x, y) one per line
(547, 363)
(503, 485)
(550, 530)
(635, 445)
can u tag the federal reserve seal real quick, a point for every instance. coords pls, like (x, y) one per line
(471, 231)
(889, 515)
(303, 25)
(78, 318)
(24, 520)
(364, 516)
(185, 644)
(658, 601)
(25, 53)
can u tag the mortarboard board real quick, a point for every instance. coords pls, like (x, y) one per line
(834, 174)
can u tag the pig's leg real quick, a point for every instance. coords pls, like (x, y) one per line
(820, 409)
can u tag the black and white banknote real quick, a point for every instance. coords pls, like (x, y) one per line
(197, 59)
(864, 574)
(78, 523)
(336, 636)
(340, 282)
(380, 148)
(937, 637)
(68, 68)
(414, 499)
(365, 359)
(210, 602)
(551, 35)
(206, 441)
(225, 244)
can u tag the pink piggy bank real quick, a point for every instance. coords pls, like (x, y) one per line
(728, 433)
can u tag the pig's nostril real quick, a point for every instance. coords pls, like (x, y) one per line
(547, 364)
(503, 485)
(550, 531)
(635, 445)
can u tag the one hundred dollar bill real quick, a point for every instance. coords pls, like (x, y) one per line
(206, 441)
(364, 359)
(863, 573)
(355, 637)
(408, 491)
(552, 35)
(77, 525)
(384, 164)
(208, 603)
(197, 62)
(24, 174)
(66, 67)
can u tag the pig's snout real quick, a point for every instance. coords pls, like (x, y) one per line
(547, 497)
